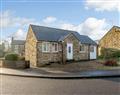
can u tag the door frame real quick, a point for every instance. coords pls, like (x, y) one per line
(93, 55)
(69, 52)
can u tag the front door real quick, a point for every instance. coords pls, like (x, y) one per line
(69, 51)
(93, 52)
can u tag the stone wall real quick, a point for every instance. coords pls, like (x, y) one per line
(13, 64)
(47, 57)
(30, 48)
(110, 40)
(77, 55)
(34, 54)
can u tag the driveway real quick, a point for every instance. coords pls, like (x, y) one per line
(79, 66)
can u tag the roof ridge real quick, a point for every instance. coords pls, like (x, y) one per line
(116, 26)
(53, 34)
(52, 28)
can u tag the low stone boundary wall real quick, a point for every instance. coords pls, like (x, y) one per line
(1, 61)
(14, 64)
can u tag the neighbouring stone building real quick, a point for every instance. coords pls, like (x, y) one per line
(18, 47)
(110, 40)
(46, 45)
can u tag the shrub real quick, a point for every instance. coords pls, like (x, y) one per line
(100, 57)
(22, 58)
(109, 53)
(111, 63)
(12, 57)
(116, 54)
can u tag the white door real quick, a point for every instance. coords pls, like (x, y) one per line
(93, 53)
(69, 51)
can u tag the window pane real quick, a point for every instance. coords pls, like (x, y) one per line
(46, 47)
(82, 47)
(92, 48)
(69, 49)
(54, 47)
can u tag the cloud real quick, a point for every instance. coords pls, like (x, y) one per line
(20, 34)
(49, 19)
(7, 19)
(93, 27)
(103, 5)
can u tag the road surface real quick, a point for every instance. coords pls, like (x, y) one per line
(11, 85)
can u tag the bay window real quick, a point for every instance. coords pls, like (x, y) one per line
(54, 47)
(82, 48)
(45, 47)
(91, 48)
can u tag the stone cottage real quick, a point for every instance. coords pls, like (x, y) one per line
(111, 39)
(46, 45)
(18, 47)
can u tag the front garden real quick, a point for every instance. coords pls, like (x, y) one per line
(110, 57)
(109, 60)
(12, 60)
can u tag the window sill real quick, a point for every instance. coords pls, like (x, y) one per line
(54, 52)
(45, 51)
(82, 52)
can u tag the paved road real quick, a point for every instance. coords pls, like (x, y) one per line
(11, 85)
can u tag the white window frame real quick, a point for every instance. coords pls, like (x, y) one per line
(84, 48)
(92, 50)
(53, 49)
(47, 46)
(16, 49)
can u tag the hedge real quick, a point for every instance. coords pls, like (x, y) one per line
(11, 57)
(108, 53)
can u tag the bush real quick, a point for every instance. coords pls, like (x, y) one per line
(109, 53)
(111, 63)
(11, 57)
(22, 58)
(100, 57)
(116, 54)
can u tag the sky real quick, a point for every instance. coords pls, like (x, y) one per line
(88, 17)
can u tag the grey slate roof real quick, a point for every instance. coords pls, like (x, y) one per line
(85, 39)
(53, 34)
(18, 42)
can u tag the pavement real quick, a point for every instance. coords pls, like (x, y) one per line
(57, 74)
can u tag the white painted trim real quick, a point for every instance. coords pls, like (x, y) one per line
(93, 55)
(52, 47)
(69, 55)
(47, 47)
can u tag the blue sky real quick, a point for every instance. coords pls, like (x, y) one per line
(85, 16)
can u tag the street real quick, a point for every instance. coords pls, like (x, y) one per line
(12, 85)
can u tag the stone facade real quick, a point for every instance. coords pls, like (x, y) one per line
(31, 48)
(77, 55)
(47, 57)
(61, 55)
(34, 53)
(19, 49)
(111, 39)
